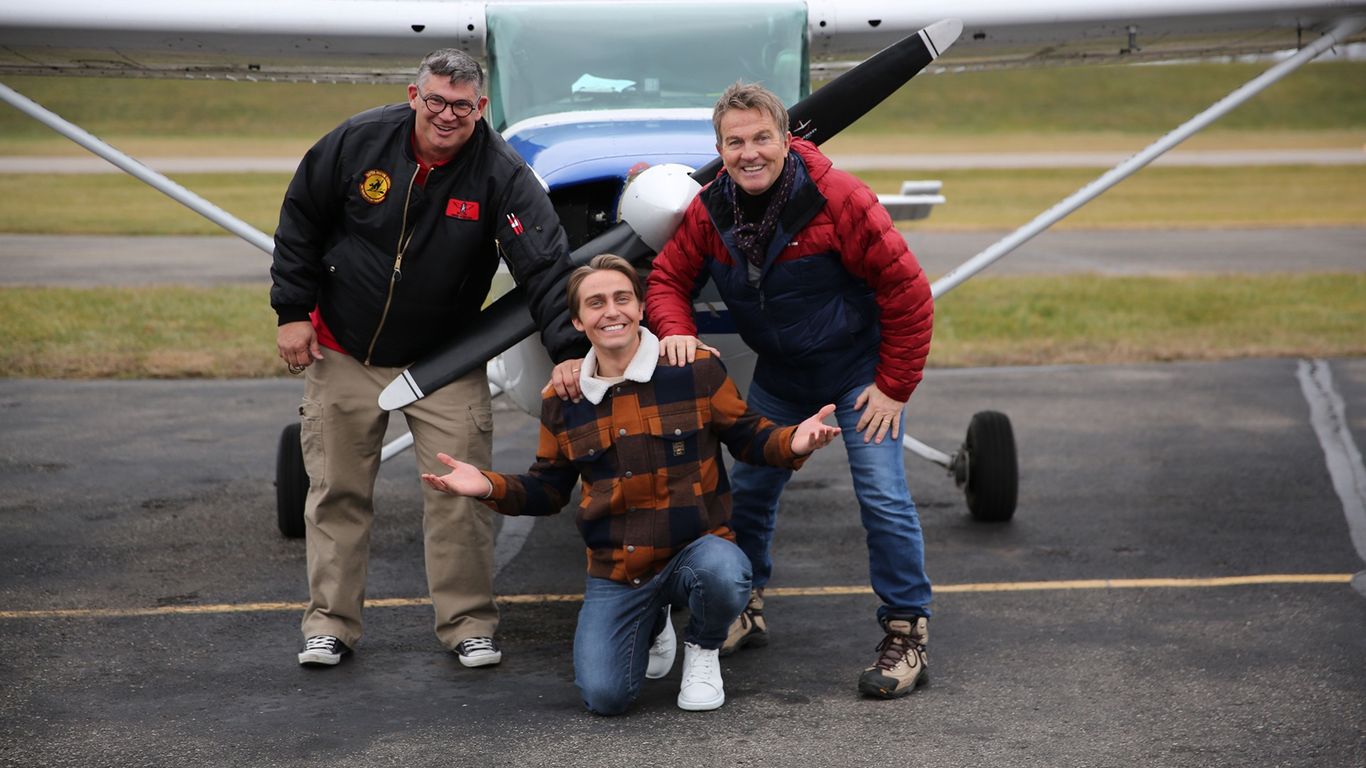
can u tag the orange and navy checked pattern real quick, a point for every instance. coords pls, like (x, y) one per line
(648, 457)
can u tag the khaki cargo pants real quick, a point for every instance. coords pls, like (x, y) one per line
(342, 434)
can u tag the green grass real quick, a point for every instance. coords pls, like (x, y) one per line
(230, 331)
(121, 107)
(1089, 319)
(1121, 99)
(157, 332)
(1134, 100)
(114, 204)
(1176, 198)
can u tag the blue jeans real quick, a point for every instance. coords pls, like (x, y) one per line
(617, 623)
(896, 547)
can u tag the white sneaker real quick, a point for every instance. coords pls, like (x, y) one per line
(478, 652)
(701, 689)
(662, 650)
(323, 650)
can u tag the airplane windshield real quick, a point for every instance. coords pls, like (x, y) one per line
(572, 56)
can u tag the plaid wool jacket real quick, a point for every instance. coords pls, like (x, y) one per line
(649, 458)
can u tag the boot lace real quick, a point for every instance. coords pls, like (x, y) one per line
(893, 649)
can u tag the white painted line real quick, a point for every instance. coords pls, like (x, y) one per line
(1328, 415)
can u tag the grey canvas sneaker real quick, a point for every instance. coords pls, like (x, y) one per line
(902, 662)
(323, 650)
(478, 652)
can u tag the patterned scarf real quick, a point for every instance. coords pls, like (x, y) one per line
(752, 239)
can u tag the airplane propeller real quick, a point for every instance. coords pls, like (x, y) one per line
(816, 118)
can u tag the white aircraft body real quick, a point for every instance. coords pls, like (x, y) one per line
(591, 90)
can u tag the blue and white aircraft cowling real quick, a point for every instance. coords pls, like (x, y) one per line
(566, 150)
(582, 148)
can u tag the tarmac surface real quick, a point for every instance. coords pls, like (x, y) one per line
(1173, 590)
(1176, 587)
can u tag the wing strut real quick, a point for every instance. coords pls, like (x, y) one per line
(1048, 218)
(137, 170)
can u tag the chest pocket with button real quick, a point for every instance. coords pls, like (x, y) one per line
(675, 440)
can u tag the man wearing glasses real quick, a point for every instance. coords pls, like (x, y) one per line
(389, 236)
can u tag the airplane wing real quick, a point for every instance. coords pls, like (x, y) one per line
(377, 40)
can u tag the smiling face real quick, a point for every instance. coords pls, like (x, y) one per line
(441, 135)
(609, 313)
(752, 148)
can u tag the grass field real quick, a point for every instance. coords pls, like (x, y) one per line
(1150, 100)
(229, 331)
(1156, 197)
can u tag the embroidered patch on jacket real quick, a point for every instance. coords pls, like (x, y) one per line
(375, 186)
(515, 223)
(462, 209)
(679, 448)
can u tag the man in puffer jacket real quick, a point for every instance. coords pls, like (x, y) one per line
(822, 286)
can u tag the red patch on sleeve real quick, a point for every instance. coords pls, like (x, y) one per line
(462, 209)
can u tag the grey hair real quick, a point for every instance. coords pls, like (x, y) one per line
(456, 65)
(749, 96)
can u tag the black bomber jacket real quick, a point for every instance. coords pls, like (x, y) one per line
(399, 269)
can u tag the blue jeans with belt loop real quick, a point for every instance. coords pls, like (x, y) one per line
(896, 546)
(617, 623)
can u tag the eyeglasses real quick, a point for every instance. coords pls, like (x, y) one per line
(436, 105)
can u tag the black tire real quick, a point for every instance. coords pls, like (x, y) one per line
(291, 483)
(993, 474)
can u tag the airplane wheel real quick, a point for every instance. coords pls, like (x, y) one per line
(291, 483)
(993, 475)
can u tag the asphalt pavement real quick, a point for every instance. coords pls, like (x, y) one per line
(1173, 590)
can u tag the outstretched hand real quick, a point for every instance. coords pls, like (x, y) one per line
(462, 480)
(814, 432)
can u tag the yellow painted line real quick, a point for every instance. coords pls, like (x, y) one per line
(984, 587)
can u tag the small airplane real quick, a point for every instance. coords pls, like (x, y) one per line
(609, 102)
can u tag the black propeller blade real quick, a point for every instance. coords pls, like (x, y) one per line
(816, 118)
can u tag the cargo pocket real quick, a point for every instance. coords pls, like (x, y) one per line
(311, 437)
(482, 415)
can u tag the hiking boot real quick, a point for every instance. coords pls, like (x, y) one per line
(902, 662)
(701, 689)
(749, 628)
(662, 650)
(478, 652)
(323, 650)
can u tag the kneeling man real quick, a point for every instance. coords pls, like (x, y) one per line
(645, 439)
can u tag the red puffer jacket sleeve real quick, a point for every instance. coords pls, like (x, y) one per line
(872, 249)
(678, 274)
